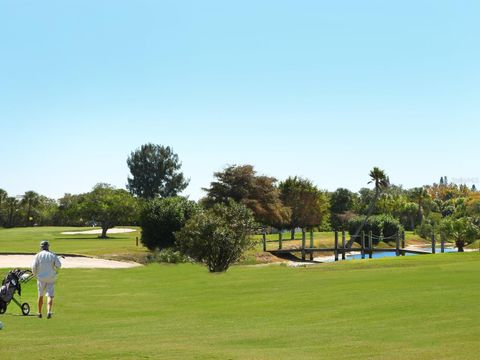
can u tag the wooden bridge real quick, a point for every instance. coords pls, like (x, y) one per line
(366, 247)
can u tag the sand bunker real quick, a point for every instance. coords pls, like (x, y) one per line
(69, 262)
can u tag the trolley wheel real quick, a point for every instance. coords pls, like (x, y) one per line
(3, 308)
(25, 309)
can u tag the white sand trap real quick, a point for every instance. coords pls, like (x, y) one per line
(99, 231)
(69, 262)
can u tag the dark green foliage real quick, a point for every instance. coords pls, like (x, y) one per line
(429, 226)
(67, 213)
(155, 172)
(217, 236)
(384, 225)
(342, 200)
(161, 218)
(425, 230)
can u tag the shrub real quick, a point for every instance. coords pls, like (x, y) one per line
(217, 236)
(385, 225)
(160, 218)
(463, 231)
(424, 230)
(428, 226)
(168, 256)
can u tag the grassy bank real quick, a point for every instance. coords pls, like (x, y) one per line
(27, 240)
(423, 307)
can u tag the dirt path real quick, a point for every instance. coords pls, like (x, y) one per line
(69, 262)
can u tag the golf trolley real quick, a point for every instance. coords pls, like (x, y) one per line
(11, 285)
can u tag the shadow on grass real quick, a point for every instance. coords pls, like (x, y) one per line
(89, 238)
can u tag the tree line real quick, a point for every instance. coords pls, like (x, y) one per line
(261, 203)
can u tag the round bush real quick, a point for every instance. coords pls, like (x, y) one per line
(160, 218)
(217, 236)
(384, 225)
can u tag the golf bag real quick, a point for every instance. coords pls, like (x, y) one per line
(11, 285)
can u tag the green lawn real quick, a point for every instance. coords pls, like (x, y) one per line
(27, 240)
(423, 307)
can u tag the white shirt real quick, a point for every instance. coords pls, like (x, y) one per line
(45, 265)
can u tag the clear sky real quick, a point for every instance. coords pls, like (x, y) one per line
(321, 89)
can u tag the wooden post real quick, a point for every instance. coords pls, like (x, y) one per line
(370, 245)
(280, 240)
(264, 241)
(442, 242)
(397, 244)
(336, 246)
(434, 243)
(363, 245)
(136, 240)
(311, 245)
(343, 244)
(404, 243)
(304, 240)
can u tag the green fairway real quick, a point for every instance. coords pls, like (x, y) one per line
(424, 307)
(27, 240)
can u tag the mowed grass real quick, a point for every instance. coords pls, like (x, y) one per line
(27, 240)
(423, 307)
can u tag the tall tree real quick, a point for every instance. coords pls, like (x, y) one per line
(420, 196)
(342, 200)
(3, 198)
(379, 178)
(342, 205)
(108, 206)
(258, 193)
(155, 172)
(11, 205)
(309, 206)
(30, 201)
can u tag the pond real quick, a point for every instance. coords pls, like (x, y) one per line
(378, 255)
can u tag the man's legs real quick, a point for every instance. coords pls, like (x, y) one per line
(41, 292)
(40, 304)
(50, 293)
(49, 305)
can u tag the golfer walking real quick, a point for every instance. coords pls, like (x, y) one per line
(45, 265)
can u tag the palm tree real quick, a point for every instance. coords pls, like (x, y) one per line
(31, 200)
(381, 181)
(12, 207)
(3, 198)
(420, 195)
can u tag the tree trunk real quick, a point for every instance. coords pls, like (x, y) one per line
(292, 234)
(460, 245)
(104, 233)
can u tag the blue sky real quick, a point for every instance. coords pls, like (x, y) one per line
(321, 89)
